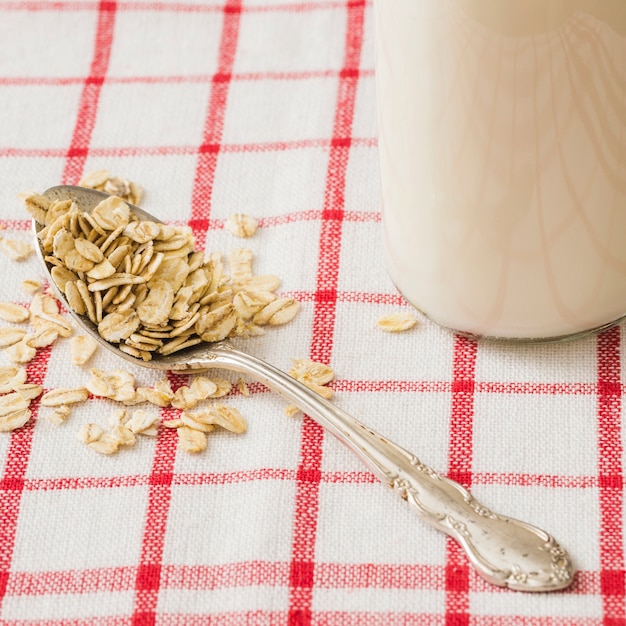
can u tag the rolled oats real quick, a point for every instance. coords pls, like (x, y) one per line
(11, 312)
(160, 395)
(42, 338)
(123, 435)
(223, 388)
(64, 396)
(89, 433)
(143, 423)
(396, 322)
(315, 376)
(119, 325)
(82, 348)
(10, 335)
(280, 311)
(21, 352)
(202, 387)
(31, 285)
(191, 440)
(243, 388)
(116, 385)
(184, 398)
(29, 391)
(105, 444)
(218, 414)
(59, 414)
(12, 402)
(15, 249)
(15, 419)
(11, 376)
(190, 420)
(156, 307)
(241, 225)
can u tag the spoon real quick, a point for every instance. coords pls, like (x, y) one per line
(504, 551)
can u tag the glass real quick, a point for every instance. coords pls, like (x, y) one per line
(502, 147)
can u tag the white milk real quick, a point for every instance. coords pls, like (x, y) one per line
(503, 160)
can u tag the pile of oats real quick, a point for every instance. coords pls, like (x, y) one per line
(148, 290)
(144, 285)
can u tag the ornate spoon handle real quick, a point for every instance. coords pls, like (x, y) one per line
(504, 551)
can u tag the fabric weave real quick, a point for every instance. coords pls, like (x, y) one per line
(268, 108)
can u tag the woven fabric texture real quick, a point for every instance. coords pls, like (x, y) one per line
(268, 108)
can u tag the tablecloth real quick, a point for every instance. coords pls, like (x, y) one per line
(267, 108)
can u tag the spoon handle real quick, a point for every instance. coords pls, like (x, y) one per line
(504, 551)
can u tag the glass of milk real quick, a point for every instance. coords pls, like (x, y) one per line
(502, 141)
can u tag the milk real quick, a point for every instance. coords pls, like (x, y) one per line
(502, 147)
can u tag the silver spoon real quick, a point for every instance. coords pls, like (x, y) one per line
(504, 551)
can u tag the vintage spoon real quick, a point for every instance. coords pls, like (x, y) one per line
(504, 551)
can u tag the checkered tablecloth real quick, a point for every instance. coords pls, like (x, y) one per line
(268, 108)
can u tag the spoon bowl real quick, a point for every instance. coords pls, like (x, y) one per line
(504, 551)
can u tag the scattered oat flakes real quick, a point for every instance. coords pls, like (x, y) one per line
(143, 423)
(397, 322)
(14, 410)
(59, 414)
(291, 410)
(21, 352)
(315, 376)
(173, 423)
(191, 440)
(82, 348)
(11, 312)
(11, 376)
(10, 335)
(117, 186)
(16, 250)
(90, 432)
(42, 338)
(105, 444)
(31, 285)
(14, 419)
(28, 391)
(223, 387)
(160, 395)
(123, 435)
(61, 396)
(241, 225)
(243, 388)
(193, 420)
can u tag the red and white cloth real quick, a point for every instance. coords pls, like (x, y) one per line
(267, 107)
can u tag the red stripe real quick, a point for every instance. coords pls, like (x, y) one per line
(147, 580)
(88, 104)
(271, 474)
(273, 146)
(309, 471)
(64, 81)
(269, 222)
(321, 618)
(180, 7)
(457, 577)
(610, 478)
(258, 574)
(210, 148)
(14, 474)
